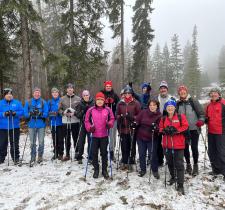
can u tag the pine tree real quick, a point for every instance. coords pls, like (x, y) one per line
(128, 56)
(176, 63)
(143, 35)
(115, 10)
(186, 57)
(193, 69)
(156, 72)
(221, 66)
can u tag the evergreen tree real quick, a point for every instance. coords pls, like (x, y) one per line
(143, 35)
(221, 66)
(186, 57)
(176, 63)
(128, 56)
(156, 72)
(193, 69)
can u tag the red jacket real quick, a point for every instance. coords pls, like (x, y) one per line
(215, 113)
(178, 140)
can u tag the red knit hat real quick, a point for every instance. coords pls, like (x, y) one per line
(182, 87)
(100, 95)
(109, 82)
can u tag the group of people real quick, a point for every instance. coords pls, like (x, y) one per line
(159, 125)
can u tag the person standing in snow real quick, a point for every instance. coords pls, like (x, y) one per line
(147, 123)
(145, 96)
(163, 97)
(98, 120)
(36, 111)
(127, 110)
(56, 124)
(85, 103)
(196, 117)
(11, 111)
(67, 108)
(172, 127)
(111, 101)
(215, 118)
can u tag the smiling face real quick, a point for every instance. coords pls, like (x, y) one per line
(170, 109)
(153, 106)
(108, 88)
(183, 94)
(37, 94)
(214, 96)
(99, 102)
(163, 91)
(86, 98)
(55, 94)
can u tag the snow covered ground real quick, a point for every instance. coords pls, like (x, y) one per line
(56, 185)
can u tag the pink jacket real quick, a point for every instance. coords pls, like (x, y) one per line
(99, 117)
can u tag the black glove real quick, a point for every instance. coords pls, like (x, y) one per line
(7, 114)
(128, 116)
(13, 113)
(173, 130)
(166, 130)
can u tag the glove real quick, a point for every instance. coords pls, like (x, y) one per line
(172, 130)
(13, 113)
(53, 114)
(166, 130)
(37, 112)
(7, 114)
(199, 123)
(92, 129)
(133, 125)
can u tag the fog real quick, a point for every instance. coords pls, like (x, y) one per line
(180, 16)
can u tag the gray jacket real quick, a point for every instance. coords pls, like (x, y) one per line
(193, 111)
(69, 102)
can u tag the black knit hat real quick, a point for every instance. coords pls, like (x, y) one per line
(7, 91)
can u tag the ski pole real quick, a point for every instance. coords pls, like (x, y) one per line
(166, 153)
(89, 152)
(24, 147)
(56, 145)
(206, 149)
(118, 153)
(71, 147)
(174, 167)
(14, 145)
(8, 141)
(131, 147)
(78, 138)
(110, 159)
(150, 165)
(34, 140)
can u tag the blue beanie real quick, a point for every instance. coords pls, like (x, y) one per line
(145, 85)
(170, 103)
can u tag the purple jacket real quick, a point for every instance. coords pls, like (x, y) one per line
(99, 117)
(144, 122)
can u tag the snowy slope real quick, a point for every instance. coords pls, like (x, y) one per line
(56, 185)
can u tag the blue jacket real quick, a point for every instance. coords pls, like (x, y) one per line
(53, 106)
(13, 105)
(42, 106)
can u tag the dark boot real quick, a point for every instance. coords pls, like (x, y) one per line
(60, 157)
(96, 173)
(40, 159)
(156, 174)
(172, 181)
(195, 170)
(105, 174)
(142, 173)
(80, 161)
(189, 169)
(66, 158)
(180, 189)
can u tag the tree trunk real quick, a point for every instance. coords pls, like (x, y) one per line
(26, 57)
(43, 52)
(122, 42)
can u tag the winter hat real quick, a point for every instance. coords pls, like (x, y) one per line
(7, 91)
(170, 103)
(128, 89)
(54, 89)
(182, 87)
(109, 82)
(146, 85)
(69, 85)
(100, 95)
(36, 89)
(215, 89)
(163, 84)
(85, 93)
